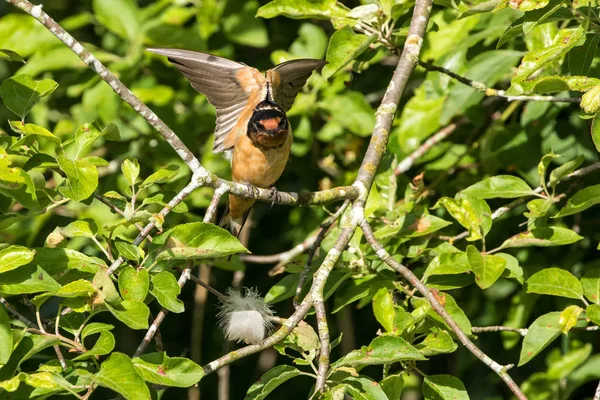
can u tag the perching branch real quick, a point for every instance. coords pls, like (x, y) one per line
(438, 308)
(491, 92)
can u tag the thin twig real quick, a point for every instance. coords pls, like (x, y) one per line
(206, 286)
(117, 210)
(484, 329)
(160, 216)
(442, 134)
(185, 275)
(16, 314)
(323, 330)
(437, 306)
(490, 92)
(313, 249)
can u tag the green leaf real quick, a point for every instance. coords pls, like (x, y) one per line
(31, 133)
(104, 345)
(87, 134)
(58, 261)
(12, 55)
(160, 369)
(82, 178)
(161, 176)
(563, 367)
(303, 338)
(590, 101)
(270, 380)
(118, 16)
(13, 257)
(443, 387)
(383, 308)
(596, 132)
(451, 307)
(244, 28)
(310, 43)
(569, 318)
(555, 282)
(352, 111)
(300, 9)
(95, 327)
(119, 374)
(27, 279)
(564, 170)
(448, 264)
(78, 288)
(134, 284)
(411, 225)
(130, 169)
(500, 186)
(543, 237)
(166, 289)
(438, 342)
(581, 201)
(564, 41)
(590, 283)
(196, 240)
(487, 268)
(580, 58)
(29, 346)
(21, 92)
(132, 313)
(471, 212)
(6, 339)
(282, 290)
(344, 46)
(382, 350)
(543, 166)
(592, 312)
(555, 84)
(513, 269)
(392, 386)
(82, 228)
(128, 250)
(539, 335)
(363, 388)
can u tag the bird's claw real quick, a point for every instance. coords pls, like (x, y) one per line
(274, 194)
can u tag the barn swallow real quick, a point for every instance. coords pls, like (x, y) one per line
(252, 130)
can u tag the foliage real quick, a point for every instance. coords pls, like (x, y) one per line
(81, 173)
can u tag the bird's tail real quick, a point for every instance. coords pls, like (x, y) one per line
(234, 225)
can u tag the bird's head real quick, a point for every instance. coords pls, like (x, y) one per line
(268, 124)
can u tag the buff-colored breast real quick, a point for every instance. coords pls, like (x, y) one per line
(259, 167)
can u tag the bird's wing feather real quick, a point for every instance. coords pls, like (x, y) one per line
(226, 84)
(292, 76)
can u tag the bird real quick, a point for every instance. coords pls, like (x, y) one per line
(252, 128)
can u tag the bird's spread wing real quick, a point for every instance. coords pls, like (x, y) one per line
(292, 75)
(226, 84)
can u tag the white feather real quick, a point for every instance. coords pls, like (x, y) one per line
(245, 318)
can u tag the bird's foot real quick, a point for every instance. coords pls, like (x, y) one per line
(274, 195)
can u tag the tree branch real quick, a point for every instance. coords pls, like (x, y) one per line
(435, 304)
(491, 92)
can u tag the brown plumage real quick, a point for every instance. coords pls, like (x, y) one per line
(252, 128)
